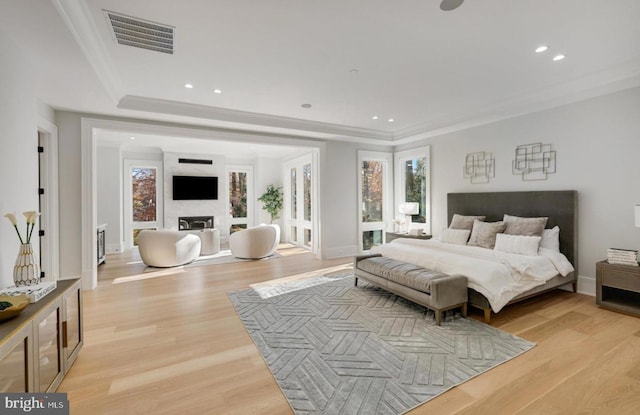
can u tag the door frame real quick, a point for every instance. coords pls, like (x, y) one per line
(89, 128)
(50, 242)
(311, 157)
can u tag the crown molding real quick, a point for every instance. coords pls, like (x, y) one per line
(78, 19)
(601, 83)
(335, 131)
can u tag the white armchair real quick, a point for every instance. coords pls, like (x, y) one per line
(255, 243)
(166, 248)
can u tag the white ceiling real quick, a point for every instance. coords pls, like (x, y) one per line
(432, 71)
(136, 142)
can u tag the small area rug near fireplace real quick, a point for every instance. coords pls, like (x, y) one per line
(337, 349)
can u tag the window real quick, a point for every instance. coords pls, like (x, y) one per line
(143, 193)
(412, 183)
(240, 197)
(143, 185)
(374, 197)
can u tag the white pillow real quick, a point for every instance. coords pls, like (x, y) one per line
(455, 236)
(551, 239)
(517, 244)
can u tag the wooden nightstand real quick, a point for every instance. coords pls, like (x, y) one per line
(618, 287)
(390, 236)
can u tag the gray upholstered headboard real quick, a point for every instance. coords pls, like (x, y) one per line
(561, 207)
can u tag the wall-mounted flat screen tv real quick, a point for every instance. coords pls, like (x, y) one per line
(195, 188)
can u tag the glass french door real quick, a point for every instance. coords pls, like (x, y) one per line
(412, 184)
(374, 198)
(143, 198)
(299, 202)
(240, 184)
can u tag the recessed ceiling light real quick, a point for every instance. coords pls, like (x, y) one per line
(354, 71)
(542, 48)
(559, 57)
(306, 105)
(217, 91)
(132, 138)
(375, 117)
(391, 120)
(188, 85)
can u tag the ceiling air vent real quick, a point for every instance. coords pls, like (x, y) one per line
(131, 31)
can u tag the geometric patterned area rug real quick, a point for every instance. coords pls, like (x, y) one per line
(338, 349)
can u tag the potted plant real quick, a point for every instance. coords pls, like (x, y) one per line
(272, 201)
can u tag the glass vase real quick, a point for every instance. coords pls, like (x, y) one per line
(26, 270)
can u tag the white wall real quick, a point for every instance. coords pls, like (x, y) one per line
(18, 149)
(176, 208)
(339, 199)
(597, 147)
(598, 154)
(45, 112)
(109, 179)
(266, 171)
(69, 186)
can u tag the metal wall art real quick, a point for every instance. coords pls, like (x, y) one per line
(479, 167)
(534, 161)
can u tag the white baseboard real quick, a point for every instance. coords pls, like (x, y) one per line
(341, 251)
(114, 248)
(88, 283)
(587, 285)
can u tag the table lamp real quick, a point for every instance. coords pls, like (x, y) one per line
(408, 209)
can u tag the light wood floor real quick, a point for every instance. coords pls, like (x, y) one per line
(169, 342)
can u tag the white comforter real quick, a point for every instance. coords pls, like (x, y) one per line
(499, 276)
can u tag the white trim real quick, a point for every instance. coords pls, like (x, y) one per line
(587, 285)
(315, 205)
(89, 126)
(51, 248)
(114, 248)
(399, 180)
(342, 251)
(312, 158)
(78, 19)
(89, 204)
(332, 131)
(601, 83)
(387, 194)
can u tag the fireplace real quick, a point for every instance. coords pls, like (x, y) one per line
(189, 223)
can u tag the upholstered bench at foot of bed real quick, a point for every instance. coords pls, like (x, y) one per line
(434, 290)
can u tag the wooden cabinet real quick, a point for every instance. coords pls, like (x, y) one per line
(38, 347)
(618, 287)
(47, 344)
(72, 336)
(16, 361)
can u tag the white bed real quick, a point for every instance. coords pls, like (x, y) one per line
(504, 280)
(498, 276)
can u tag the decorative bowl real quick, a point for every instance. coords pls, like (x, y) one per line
(18, 303)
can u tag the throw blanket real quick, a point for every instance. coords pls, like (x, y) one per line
(499, 276)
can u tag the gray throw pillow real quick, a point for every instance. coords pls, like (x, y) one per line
(484, 233)
(524, 226)
(464, 222)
